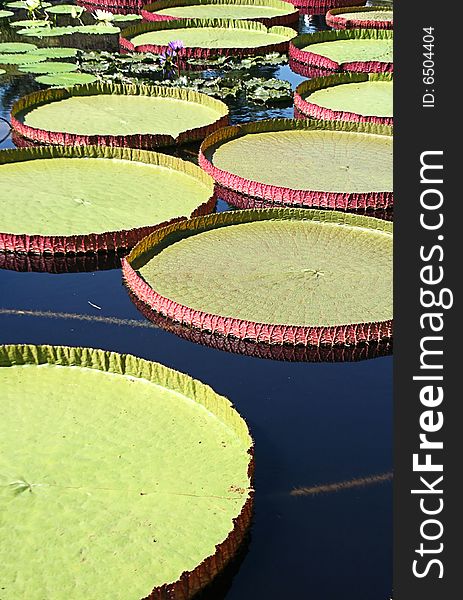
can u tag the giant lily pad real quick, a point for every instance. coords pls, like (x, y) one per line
(357, 50)
(89, 198)
(362, 17)
(299, 276)
(364, 97)
(320, 7)
(205, 38)
(134, 477)
(332, 164)
(118, 115)
(268, 12)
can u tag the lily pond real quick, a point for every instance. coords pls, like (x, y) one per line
(196, 193)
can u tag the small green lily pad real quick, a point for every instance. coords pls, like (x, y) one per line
(56, 52)
(66, 79)
(123, 18)
(22, 4)
(65, 9)
(49, 67)
(16, 47)
(20, 59)
(30, 23)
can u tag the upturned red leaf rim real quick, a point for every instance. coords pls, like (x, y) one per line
(317, 62)
(144, 141)
(150, 12)
(114, 6)
(344, 335)
(253, 192)
(335, 18)
(320, 7)
(304, 109)
(206, 53)
(194, 581)
(111, 241)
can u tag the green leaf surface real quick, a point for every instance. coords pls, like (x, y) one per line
(86, 190)
(221, 9)
(20, 59)
(65, 9)
(164, 112)
(4, 14)
(371, 97)
(22, 4)
(16, 47)
(34, 23)
(305, 268)
(312, 159)
(126, 18)
(116, 474)
(204, 33)
(66, 79)
(342, 51)
(49, 67)
(56, 52)
(367, 15)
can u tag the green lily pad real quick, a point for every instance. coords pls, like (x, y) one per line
(162, 473)
(16, 47)
(342, 51)
(121, 18)
(324, 160)
(368, 15)
(78, 191)
(65, 9)
(158, 111)
(34, 23)
(49, 67)
(336, 271)
(66, 79)
(360, 94)
(20, 59)
(22, 4)
(56, 52)
(212, 34)
(70, 30)
(221, 9)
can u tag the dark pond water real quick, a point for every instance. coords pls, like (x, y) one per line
(312, 423)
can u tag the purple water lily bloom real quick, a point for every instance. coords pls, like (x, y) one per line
(176, 45)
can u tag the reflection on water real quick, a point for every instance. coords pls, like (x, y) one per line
(263, 350)
(46, 263)
(311, 421)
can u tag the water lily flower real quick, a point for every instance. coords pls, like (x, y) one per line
(175, 46)
(33, 5)
(104, 17)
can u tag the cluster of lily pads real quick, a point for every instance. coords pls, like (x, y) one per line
(226, 77)
(304, 264)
